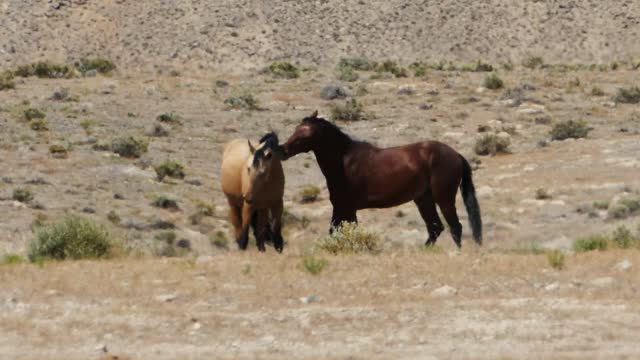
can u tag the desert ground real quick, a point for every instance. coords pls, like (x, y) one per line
(198, 297)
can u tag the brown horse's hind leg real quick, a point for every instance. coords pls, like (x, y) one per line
(429, 214)
(340, 215)
(448, 208)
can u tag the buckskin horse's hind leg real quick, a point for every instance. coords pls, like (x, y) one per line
(429, 214)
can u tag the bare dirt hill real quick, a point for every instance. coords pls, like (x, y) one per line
(230, 34)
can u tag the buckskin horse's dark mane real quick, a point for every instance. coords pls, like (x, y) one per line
(270, 141)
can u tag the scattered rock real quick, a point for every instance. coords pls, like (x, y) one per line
(406, 90)
(426, 106)
(552, 287)
(623, 265)
(37, 180)
(603, 281)
(184, 244)
(91, 73)
(609, 104)
(166, 297)
(158, 130)
(333, 91)
(133, 224)
(118, 196)
(444, 292)
(161, 224)
(61, 94)
(89, 210)
(308, 299)
(193, 181)
(531, 109)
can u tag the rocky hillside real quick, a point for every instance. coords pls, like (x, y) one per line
(245, 34)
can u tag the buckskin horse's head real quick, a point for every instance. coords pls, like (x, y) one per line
(259, 165)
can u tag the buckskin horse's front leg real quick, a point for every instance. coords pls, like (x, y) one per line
(243, 238)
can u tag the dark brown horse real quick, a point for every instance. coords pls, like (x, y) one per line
(360, 176)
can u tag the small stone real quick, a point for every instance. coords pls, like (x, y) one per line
(89, 210)
(91, 73)
(426, 106)
(308, 299)
(184, 244)
(623, 265)
(332, 92)
(609, 104)
(481, 90)
(37, 180)
(61, 94)
(166, 297)
(444, 292)
(603, 281)
(118, 196)
(531, 109)
(406, 90)
(193, 181)
(552, 287)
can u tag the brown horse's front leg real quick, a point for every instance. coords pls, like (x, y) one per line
(276, 226)
(340, 215)
(243, 237)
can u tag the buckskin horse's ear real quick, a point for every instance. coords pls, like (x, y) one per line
(251, 148)
(314, 115)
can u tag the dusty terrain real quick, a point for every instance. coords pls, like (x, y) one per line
(501, 301)
(241, 34)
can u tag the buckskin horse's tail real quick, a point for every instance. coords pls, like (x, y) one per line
(470, 201)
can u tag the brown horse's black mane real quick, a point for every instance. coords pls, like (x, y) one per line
(332, 128)
(270, 141)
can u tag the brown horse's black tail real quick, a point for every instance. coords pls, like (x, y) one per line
(470, 201)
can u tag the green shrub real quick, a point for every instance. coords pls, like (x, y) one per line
(349, 238)
(556, 259)
(352, 110)
(33, 113)
(432, 249)
(283, 70)
(594, 242)
(347, 74)
(6, 81)
(623, 237)
(58, 151)
(360, 64)
(597, 91)
(219, 240)
(493, 82)
(309, 193)
(129, 146)
(618, 211)
(170, 117)
(170, 168)
(222, 83)
(533, 62)
(482, 67)
(39, 125)
(419, 70)
(72, 238)
(569, 129)
(601, 205)
(45, 69)
(393, 68)
(491, 144)
(165, 203)
(243, 101)
(628, 96)
(113, 217)
(314, 265)
(166, 236)
(101, 65)
(10, 259)
(632, 204)
(22, 195)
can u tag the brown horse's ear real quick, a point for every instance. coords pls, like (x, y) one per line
(315, 114)
(251, 148)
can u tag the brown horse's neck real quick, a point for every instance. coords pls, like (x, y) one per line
(330, 156)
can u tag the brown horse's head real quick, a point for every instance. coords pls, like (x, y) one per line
(259, 165)
(305, 137)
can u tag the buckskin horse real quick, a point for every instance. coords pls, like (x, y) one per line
(253, 182)
(360, 176)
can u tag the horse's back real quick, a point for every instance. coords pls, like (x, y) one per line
(234, 158)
